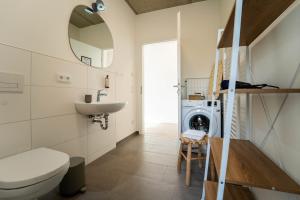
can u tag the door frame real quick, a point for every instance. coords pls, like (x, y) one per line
(179, 81)
(142, 131)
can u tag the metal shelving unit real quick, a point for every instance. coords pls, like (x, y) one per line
(248, 20)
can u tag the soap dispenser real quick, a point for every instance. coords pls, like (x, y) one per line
(107, 81)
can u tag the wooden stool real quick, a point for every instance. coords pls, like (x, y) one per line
(188, 156)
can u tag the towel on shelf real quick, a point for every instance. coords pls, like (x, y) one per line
(194, 134)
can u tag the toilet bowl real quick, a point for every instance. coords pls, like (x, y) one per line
(32, 174)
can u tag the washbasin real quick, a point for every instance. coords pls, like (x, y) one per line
(96, 108)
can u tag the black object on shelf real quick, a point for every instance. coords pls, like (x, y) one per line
(244, 85)
(74, 180)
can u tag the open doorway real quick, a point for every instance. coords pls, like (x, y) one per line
(160, 98)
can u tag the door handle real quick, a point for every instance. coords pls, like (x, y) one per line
(179, 86)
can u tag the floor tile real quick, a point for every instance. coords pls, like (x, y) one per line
(140, 168)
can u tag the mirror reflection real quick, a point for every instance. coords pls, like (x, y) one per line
(90, 38)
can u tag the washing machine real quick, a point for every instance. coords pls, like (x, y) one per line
(196, 115)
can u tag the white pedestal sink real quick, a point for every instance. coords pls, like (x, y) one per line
(98, 108)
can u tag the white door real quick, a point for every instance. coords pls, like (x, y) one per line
(179, 70)
(160, 98)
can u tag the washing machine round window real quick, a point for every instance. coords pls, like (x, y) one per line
(199, 119)
(199, 122)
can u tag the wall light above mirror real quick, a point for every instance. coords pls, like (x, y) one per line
(90, 38)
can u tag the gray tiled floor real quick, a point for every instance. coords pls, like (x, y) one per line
(141, 168)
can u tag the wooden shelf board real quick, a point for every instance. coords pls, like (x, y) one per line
(257, 16)
(261, 91)
(232, 192)
(248, 166)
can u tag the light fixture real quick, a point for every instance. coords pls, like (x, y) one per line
(98, 6)
(89, 11)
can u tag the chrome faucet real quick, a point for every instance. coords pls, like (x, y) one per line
(99, 94)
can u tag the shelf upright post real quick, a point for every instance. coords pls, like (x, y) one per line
(248, 96)
(231, 96)
(215, 79)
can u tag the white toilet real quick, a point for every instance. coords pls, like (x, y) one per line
(32, 174)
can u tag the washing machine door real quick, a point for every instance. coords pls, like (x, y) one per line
(199, 119)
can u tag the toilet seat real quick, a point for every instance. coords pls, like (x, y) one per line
(31, 167)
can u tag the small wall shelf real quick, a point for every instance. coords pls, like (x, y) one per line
(262, 91)
(256, 17)
(248, 166)
(232, 192)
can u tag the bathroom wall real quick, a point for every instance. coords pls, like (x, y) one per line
(275, 59)
(226, 7)
(199, 21)
(35, 43)
(199, 24)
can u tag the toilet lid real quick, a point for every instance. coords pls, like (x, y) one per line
(31, 167)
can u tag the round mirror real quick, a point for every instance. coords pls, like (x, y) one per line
(90, 38)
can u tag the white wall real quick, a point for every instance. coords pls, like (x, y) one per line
(226, 7)
(200, 22)
(275, 59)
(36, 44)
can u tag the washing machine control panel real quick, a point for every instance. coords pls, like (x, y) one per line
(200, 103)
(209, 104)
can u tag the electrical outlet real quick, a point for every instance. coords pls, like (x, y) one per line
(63, 78)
